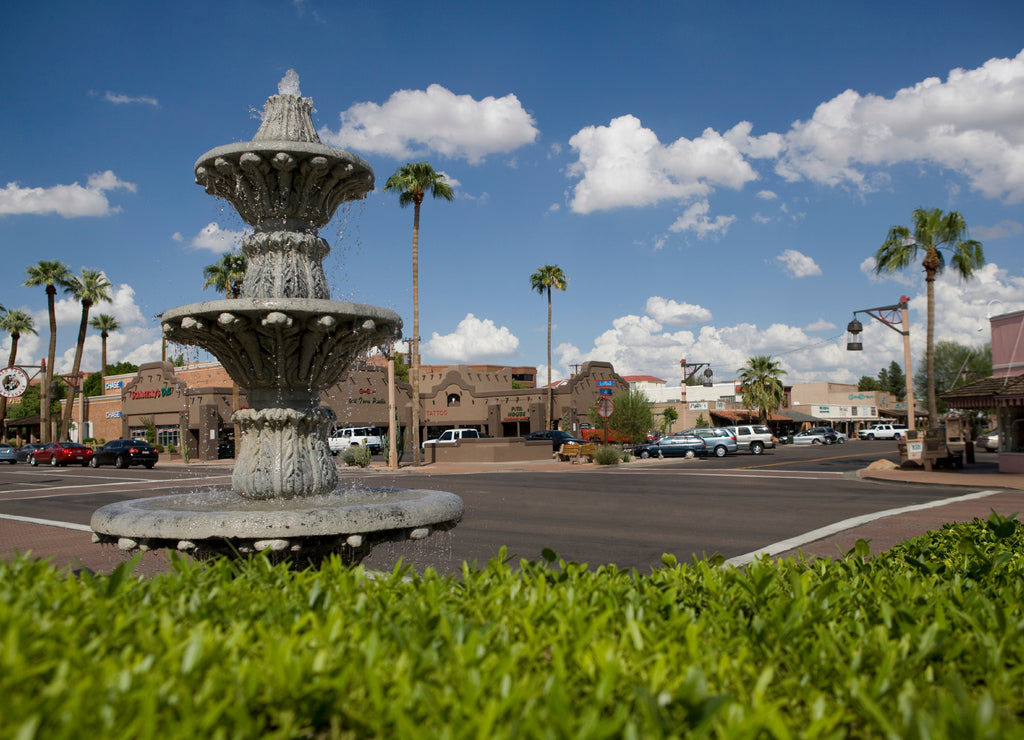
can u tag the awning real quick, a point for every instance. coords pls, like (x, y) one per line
(987, 393)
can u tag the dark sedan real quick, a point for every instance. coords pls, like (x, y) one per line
(673, 446)
(25, 451)
(61, 454)
(122, 453)
(558, 438)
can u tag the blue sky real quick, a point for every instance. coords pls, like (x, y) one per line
(713, 177)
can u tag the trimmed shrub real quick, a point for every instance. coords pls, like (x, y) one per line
(362, 456)
(926, 640)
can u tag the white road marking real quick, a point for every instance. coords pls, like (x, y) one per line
(46, 522)
(816, 534)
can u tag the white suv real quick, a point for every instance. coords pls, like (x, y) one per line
(342, 439)
(883, 431)
(754, 437)
(453, 435)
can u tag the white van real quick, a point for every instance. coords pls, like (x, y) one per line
(341, 439)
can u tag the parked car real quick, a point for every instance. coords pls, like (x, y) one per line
(8, 453)
(753, 437)
(60, 454)
(819, 436)
(558, 438)
(883, 431)
(674, 445)
(123, 453)
(25, 451)
(720, 442)
(451, 436)
(342, 439)
(987, 441)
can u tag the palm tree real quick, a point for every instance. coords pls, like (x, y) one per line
(226, 276)
(412, 182)
(53, 274)
(761, 384)
(14, 323)
(104, 323)
(542, 281)
(92, 287)
(933, 232)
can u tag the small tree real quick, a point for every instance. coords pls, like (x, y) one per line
(701, 422)
(632, 417)
(670, 417)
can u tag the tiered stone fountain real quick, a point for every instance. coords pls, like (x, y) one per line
(284, 341)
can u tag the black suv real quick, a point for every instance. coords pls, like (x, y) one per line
(122, 453)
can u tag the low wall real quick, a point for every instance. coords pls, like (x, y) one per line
(501, 449)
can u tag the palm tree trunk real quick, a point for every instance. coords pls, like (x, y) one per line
(103, 362)
(10, 363)
(44, 392)
(69, 404)
(929, 353)
(551, 400)
(414, 376)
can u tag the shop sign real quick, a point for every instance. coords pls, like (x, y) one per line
(363, 391)
(162, 393)
(13, 382)
(515, 414)
(698, 405)
(437, 412)
(114, 414)
(605, 383)
(112, 384)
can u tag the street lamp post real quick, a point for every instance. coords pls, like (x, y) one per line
(887, 315)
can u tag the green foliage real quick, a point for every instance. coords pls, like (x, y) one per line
(361, 456)
(761, 383)
(893, 380)
(147, 422)
(669, 417)
(867, 383)
(608, 455)
(701, 422)
(955, 365)
(631, 419)
(926, 640)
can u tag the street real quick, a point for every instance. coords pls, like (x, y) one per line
(627, 515)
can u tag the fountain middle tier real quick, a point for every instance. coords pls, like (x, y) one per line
(287, 344)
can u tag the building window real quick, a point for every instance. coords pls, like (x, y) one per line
(454, 399)
(168, 436)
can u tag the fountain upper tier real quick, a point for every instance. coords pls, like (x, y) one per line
(285, 178)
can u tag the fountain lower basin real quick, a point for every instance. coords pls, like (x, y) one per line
(346, 522)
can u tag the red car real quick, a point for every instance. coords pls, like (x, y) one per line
(61, 453)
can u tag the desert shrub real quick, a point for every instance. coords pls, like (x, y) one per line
(362, 456)
(607, 455)
(348, 455)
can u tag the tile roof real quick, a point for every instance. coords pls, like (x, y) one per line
(987, 392)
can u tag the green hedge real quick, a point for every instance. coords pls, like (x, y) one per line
(924, 641)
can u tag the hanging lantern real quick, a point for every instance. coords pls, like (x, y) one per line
(853, 332)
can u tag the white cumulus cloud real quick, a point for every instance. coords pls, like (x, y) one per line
(624, 164)
(216, 239)
(412, 123)
(474, 340)
(69, 201)
(797, 265)
(667, 311)
(695, 218)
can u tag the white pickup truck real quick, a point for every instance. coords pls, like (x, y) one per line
(342, 439)
(452, 436)
(883, 431)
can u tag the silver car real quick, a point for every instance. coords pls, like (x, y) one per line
(8, 453)
(720, 442)
(988, 441)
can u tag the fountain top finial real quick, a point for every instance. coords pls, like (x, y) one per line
(287, 116)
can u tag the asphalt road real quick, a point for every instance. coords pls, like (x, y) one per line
(625, 515)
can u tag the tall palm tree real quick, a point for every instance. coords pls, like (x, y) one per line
(227, 276)
(412, 182)
(14, 323)
(92, 287)
(761, 384)
(53, 274)
(104, 323)
(543, 281)
(933, 232)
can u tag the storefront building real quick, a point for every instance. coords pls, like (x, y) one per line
(192, 405)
